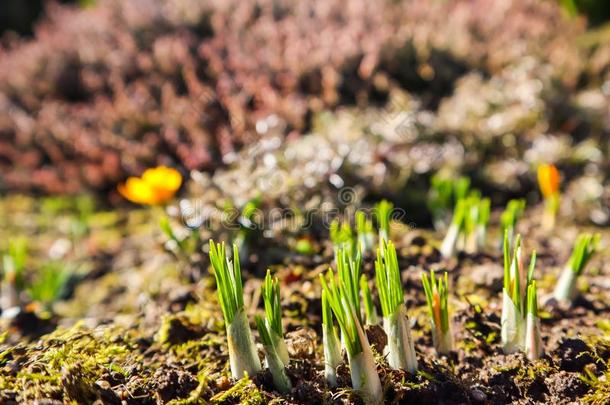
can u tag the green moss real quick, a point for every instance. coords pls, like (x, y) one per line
(244, 391)
(530, 372)
(65, 364)
(600, 386)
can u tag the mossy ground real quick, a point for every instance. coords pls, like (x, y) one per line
(115, 337)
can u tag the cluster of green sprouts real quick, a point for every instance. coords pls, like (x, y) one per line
(242, 351)
(365, 231)
(520, 321)
(243, 356)
(584, 249)
(437, 296)
(348, 300)
(45, 286)
(341, 235)
(347, 297)
(341, 295)
(509, 217)
(400, 348)
(13, 264)
(468, 228)
(383, 214)
(272, 334)
(444, 193)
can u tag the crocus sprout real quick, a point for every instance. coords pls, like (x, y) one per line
(242, 351)
(533, 340)
(468, 229)
(515, 299)
(482, 222)
(348, 270)
(272, 356)
(584, 249)
(364, 229)
(383, 213)
(273, 311)
(400, 348)
(330, 341)
(449, 245)
(461, 188)
(362, 364)
(370, 311)
(437, 297)
(13, 264)
(156, 186)
(508, 220)
(247, 226)
(341, 236)
(440, 200)
(474, 229)
(548, 180)
(444, 194)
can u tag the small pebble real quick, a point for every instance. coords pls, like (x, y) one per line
(478, 395)
(103, 384)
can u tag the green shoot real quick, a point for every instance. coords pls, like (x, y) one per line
(383, 214)
(533, 340)
(449, 245)
(364, 229)
(345, 313)
(440, 199)
(532, 299)
(387, 275)
(349, 269)
(476, 217)
(228, 280)
(437, 294)
(341, 236)
(511, 214)
(247, 226)
(362, 365)
(584, 248)
(370, 312)
(515, 296)
(274, 362)
(273, 311)
(242, 352)
(482, 221)
(13, 264)
(444, 194)
(468, 229)
(461, 188)
(330, 341)
(400, 348)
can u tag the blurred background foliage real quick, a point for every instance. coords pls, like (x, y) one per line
(21, 15)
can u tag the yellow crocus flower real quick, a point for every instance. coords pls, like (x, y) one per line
(548, 180)
(156, 186)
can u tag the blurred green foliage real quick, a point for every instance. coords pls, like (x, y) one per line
(596, 11)
(13, 261)
(49, 283)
